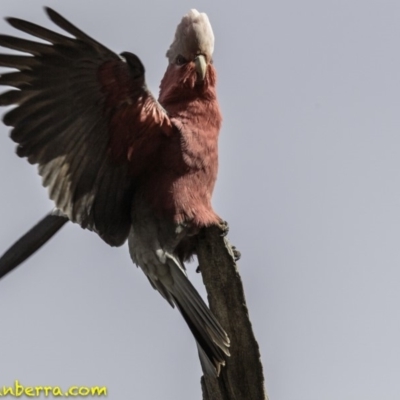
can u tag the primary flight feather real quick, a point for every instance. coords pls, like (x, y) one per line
(116, 160)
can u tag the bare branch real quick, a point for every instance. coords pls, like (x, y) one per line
(242, 378)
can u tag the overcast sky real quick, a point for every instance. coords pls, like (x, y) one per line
(309, 183)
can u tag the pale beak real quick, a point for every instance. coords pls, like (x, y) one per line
(201, 67)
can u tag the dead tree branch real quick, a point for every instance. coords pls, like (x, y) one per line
(242, 378)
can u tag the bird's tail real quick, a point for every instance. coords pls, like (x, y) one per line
(31, 241)
(212, 340)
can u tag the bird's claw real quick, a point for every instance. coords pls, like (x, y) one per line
(236, 253)
(224, 227)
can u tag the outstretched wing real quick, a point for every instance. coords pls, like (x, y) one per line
(35, 238)
(86, 117)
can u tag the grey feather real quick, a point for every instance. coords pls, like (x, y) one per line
(60, 124)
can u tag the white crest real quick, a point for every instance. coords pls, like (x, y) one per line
(193, 36)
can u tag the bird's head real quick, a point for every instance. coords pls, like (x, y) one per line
(193, 44)
(190, 54)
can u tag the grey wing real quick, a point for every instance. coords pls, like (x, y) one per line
(69, 92)
(29, 243)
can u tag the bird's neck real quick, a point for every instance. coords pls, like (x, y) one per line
(179, 86)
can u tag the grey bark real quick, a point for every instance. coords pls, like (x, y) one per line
(242, 378)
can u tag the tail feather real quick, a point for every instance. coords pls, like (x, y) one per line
(209, 368)
(212, 326)
(212, 340)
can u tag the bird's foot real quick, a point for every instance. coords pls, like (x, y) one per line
(224, 227)
(236, 253)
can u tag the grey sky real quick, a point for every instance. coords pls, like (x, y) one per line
(309, 165)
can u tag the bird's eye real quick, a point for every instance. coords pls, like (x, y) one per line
(180, 60)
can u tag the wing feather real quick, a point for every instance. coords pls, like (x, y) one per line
(82, 114)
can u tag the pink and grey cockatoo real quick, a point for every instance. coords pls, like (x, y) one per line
(116, 160)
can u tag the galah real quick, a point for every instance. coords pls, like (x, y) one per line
(116, 160)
